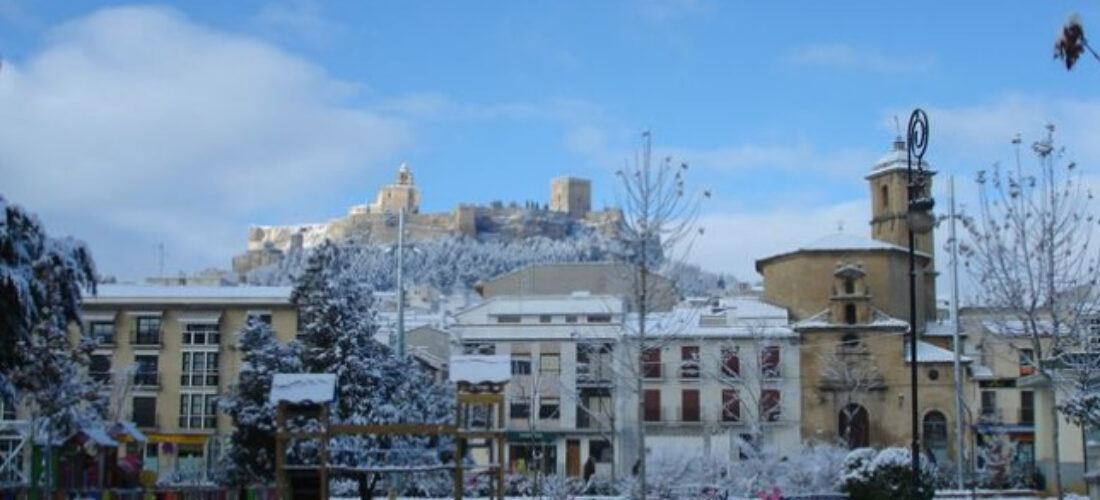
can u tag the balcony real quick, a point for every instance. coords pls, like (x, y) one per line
(990, 415)
(1026, 370)
(145, 338)
(104, 339)
(198, 422)
(594, 375)
(689, 370)
(1025, 416)
(771, 372)
(101, 377)
(199, 379)
(675, 416)
(147, 380)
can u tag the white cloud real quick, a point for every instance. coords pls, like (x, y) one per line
(733, 242)
(301, 19)
(141, 123)
(848, 57)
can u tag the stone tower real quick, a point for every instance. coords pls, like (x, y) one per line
(889, 200)
(571, 195)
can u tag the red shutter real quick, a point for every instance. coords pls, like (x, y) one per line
(652, 405)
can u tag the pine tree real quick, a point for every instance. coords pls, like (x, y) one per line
(373, 385)
(250, 458)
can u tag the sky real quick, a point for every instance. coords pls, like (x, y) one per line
(133, 125)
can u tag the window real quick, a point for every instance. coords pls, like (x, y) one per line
(145, 411)
(769, 405)
(198, 411)
(479, 348)
(989, 404)
(549, 363)
(520, 408)
(1027, 362)
(261, 316)
(689, 361)
(651, 362)
(570, 318)
(599, 318)
(935, 430)
(148, 331)
(884, 196)
(1027, 407)
(7, 409)
(146, 374)
(549, 408)
(600, 451)
(199, 369)
(508, 318)
(100, 368)
(849, 286)
(731, 406)
(545, 318)
(201, 334)
(731, 362)
(849, 342)
(769, 362)
(689, 401)
(521, 364)
(652, 405)
(102, 331)
(850, 314)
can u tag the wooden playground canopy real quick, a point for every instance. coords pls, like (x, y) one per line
(480, 381)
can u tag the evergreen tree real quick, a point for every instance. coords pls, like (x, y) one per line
(250, 458)
(373, 385)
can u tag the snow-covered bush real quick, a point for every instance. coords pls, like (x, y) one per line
(885, 475)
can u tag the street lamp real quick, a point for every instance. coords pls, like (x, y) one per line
(920, 221)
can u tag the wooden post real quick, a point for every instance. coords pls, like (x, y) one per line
(280, 451)
(324, 452)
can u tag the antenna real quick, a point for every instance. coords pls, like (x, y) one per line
(897, 126)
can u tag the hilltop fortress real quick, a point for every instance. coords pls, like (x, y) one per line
(569, 210)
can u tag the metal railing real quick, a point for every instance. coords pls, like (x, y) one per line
(147, 379)
(145, 337)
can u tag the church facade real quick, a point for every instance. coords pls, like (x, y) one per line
(848, 298)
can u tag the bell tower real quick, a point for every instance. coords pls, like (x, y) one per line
(889, 183)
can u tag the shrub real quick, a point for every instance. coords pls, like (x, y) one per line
(885, 475)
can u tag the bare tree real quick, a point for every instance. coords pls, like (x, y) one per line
(1031, 256)
(659, 216)
(1071, 42)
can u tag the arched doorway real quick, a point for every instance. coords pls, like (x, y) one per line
(934, 432)
(854, 426)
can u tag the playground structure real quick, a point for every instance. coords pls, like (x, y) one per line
(479, 424)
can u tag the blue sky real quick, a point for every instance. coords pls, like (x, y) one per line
(129, 125)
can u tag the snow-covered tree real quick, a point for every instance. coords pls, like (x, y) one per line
(374, 386)
(1031, 254)
(250, 456)
(849, 372)
(41, 280)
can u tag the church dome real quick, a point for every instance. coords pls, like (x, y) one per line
(897, 157)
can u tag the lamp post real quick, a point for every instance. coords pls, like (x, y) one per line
(919, 220)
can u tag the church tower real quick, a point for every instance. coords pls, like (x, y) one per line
(889, 200)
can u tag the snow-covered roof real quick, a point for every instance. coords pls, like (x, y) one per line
(1017, 328)
(896, 158)
(842, 242)
(129, 429)
(981, 371)
(98, 436)
(879, 319)
(928, 353)
(698, 322)
(753, 308)
(128, 294)
(577, 303)
(302, 388)
(474, 369)
(944, 328)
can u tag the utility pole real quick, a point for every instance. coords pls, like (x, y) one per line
(401, 282)
(960, 449)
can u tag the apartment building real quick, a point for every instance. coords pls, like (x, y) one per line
(169, 353)
(714, 379)
(722, 379)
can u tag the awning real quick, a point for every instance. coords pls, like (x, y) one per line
(199, 317)
(97, 316)
(128, 432)
(98, 436)
(146, 313)
(179, 438)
